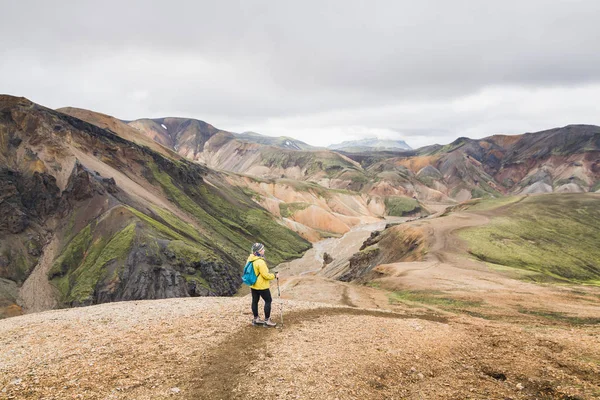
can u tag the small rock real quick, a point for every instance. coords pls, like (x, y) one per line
(16, 381)
(413, 369)
(175, 390)
(519, 386)
(420, 375)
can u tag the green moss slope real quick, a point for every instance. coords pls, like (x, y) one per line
(555, 235)
(401, 206)
(230, 219)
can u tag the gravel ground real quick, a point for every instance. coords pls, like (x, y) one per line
(206, 348)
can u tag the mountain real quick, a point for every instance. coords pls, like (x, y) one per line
(557, 160)
(564, 159)
(120, 128)
(264, 172)
(247, 153)
(87, 216)
(283, 142)
(561, 159)
(366, 145)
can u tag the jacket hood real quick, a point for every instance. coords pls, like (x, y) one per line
(252, 257)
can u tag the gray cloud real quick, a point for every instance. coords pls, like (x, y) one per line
(336, 67)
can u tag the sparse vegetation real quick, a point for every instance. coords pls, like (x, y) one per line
(72, 254)
(401, 206)
(217, 218)
(186, 254)
(433, 298)
(552, 235)
(82, 265)
(289, 209)
(89, 274)
(491, 203)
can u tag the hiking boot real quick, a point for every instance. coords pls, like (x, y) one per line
(257, 321)
(270, 323)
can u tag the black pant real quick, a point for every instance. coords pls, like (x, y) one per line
(266, 295)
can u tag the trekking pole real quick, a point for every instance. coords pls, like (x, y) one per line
(280, 302)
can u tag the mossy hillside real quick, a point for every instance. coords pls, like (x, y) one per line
(98, 256)
(286, 159)
(178, 230)
(287, 210)
(448, 148)
(186, 254)
(489, 203)
(282, 243)
(76, 275)
(86, 279)
(231, 221)
(595, 187)
(251, 194)
(428, 181)
(221, 235)
(311, 162)
(357, 178)
(75, 251)
(178, 224)
(479, 192)
(164, 230)
(554, 234)
(401, 206)
(332, 167)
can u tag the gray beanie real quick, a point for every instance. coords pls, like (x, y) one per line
(256, 247)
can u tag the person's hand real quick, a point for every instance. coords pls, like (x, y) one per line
(276, 275)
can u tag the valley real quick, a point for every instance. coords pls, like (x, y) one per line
(432, 321)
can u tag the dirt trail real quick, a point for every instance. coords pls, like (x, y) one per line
(230, 363)
(37, 293)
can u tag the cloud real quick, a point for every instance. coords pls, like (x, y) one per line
(425, 71)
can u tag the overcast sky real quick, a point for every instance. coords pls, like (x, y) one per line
(320, 71)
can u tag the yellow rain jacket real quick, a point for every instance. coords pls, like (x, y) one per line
(262, 273)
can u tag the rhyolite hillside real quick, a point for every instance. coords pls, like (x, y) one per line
(108, 219)
(558, 160)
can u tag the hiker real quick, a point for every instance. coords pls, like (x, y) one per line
(261, 287)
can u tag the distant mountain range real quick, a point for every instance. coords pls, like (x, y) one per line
(560, 159)
(364, 145)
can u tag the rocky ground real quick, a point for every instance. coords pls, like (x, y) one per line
(205, 348)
